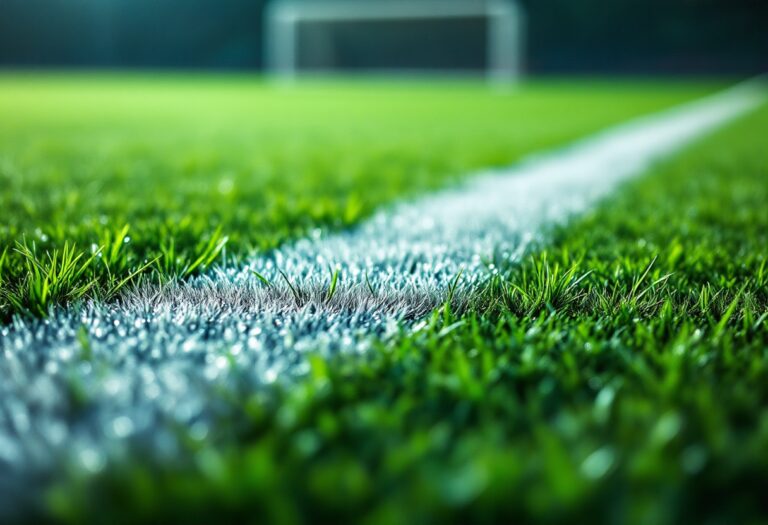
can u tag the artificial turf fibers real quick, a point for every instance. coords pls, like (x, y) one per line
(617, 375)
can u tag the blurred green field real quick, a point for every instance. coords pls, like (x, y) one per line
(163, 175)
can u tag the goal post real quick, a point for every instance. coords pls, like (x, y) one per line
(286, 20)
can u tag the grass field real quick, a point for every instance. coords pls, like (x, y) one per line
(617, 375)
(157, 177)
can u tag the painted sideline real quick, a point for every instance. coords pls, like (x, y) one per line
(151, 363)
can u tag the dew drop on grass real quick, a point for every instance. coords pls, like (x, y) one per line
(270, 376)
(198, 431)
(91, 459)
(222, 362)
(597, 464)
(122, 427)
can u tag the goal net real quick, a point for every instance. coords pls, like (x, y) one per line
(442, 36)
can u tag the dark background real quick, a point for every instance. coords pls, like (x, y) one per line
(564, 36)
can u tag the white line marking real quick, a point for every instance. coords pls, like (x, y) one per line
(157, 358)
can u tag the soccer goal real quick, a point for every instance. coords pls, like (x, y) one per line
(444, 36)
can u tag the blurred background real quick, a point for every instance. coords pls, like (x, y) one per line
(701, 37)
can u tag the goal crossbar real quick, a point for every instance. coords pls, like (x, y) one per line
(504, 39)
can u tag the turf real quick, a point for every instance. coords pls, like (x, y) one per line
(110, 179)
(619, 375)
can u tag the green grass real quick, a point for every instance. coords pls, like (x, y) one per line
(619, 375)
(109, 179)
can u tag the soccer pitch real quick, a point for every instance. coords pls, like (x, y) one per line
(615, 371)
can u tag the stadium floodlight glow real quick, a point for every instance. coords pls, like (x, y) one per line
(504, 19)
